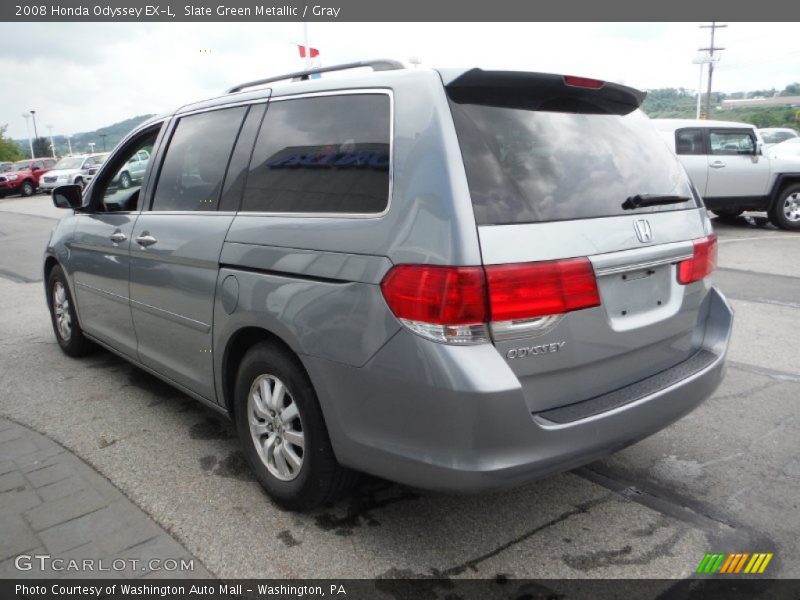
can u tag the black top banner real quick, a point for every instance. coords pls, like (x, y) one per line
(405, 10)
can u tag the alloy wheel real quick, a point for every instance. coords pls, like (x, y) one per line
(276, 427)
(791, 207)
(61, 311)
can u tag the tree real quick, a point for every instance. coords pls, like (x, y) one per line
(41, 147)
(793, 89)
(8, 149)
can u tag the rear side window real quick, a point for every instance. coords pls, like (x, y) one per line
(527, 166)
(732, 142)
(327, 154)
(196, 160)
(689, 141)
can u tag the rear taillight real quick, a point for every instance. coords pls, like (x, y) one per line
(457, 304)
(538, 289)
(445, 304)
(702, 263)
(584, 82)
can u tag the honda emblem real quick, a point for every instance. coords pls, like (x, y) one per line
(643, 231)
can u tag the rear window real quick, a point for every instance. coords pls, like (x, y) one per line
(527, 166)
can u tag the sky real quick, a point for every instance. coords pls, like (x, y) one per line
(81, 76)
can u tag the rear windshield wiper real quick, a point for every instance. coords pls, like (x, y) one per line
(642, 200)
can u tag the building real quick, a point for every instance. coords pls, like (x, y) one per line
(761, 102)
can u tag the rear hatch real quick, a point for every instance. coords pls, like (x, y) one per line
(592, 237)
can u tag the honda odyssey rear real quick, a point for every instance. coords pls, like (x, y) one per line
(588, 324)
(458, 280)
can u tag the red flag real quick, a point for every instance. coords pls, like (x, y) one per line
(313, 51)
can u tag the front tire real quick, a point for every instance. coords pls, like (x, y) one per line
(27, 189)
(125, 181)
(785, 212)
(69, 334)
(283, 432)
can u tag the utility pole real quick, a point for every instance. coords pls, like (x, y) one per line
(711, 49)
(52, 143)
(26, 116)
(103, 136)
(35, 131)
(69, 144)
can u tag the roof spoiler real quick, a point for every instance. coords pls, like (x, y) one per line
(543, 91)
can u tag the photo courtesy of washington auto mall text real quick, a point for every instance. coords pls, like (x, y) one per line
(399, 301)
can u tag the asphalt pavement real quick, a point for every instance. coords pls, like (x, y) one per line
(725, 478)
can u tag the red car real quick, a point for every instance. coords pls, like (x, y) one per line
(23, 178)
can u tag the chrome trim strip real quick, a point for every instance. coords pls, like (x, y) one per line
(171, 316)
(641, 258)
(103, 293)
(641, 265)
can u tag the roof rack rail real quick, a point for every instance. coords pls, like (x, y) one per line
(376, 65)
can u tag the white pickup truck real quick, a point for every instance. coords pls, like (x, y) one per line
(724, 159)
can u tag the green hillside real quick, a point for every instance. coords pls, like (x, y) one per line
(681, 103)
(80, 141)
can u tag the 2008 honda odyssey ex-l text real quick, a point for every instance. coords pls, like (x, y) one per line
(455, 279)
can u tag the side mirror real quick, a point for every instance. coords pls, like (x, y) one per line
(68, 196)
(759, 148)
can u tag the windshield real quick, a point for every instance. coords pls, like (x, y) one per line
(22, 165)
(527, 166)
(73, 162)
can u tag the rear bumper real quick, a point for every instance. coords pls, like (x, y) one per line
(454, 419)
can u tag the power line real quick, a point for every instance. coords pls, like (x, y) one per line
(711, 49)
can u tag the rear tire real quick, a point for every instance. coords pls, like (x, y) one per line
(283, 432)
(125, 181)
(69, 334)
(27, 189)
(785, 212)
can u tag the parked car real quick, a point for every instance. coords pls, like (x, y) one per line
(23, 177)
(776, 135)
(72, 169)
(456, 279)
(789, 149)
(726, 162)
(130, 173)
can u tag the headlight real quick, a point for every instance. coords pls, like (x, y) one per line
(12, 177)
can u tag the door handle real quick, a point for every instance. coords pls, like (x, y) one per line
(118, 237)
(146, 239)
(717, 164)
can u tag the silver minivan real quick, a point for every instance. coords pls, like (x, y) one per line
(455, 279)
